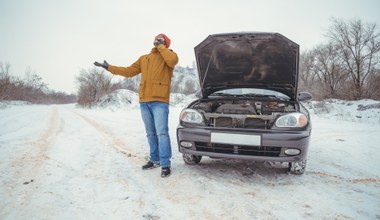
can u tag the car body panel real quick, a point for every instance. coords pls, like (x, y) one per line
(248, 59)
(280, 139)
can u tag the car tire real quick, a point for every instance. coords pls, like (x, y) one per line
(191, 159)
(297, 168)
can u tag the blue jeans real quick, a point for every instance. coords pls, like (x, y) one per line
(155, 117)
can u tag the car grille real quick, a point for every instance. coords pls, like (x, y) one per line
(238, 149)
(228, 122)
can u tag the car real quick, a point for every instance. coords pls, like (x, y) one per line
(249, 107)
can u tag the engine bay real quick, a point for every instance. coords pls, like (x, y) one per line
(243, 113)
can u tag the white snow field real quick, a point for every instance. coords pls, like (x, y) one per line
(66, 162)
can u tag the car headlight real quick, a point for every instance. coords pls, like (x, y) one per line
(191, 116)
(292, 120)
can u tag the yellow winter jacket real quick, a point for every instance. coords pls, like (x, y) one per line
(156, 70)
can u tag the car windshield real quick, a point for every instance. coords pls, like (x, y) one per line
(251, 93)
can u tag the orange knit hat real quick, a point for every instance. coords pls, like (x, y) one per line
(167, 40)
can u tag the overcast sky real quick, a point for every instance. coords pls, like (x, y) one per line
(58, 38)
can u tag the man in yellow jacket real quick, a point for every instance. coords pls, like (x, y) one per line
(156, 70)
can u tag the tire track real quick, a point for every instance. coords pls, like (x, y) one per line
(340, 180)
(27, 166)
(145, 206)
(116, 142)
(36, 154)
(160, 186)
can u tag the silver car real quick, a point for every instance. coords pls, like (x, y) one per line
(249, 107)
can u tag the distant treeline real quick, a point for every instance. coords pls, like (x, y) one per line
(31, 88)
(347, 66)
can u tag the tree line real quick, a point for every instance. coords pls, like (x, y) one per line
(31, 88)
(347, 66)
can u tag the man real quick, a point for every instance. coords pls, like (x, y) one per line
(156, 70)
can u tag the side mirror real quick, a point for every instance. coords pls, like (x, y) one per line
(304, 96)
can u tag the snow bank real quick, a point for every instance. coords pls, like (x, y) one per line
(362, 111)
(6, 104)
(118, 99)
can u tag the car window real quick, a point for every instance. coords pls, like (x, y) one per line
(252, 92)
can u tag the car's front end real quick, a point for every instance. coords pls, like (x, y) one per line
(250, 107)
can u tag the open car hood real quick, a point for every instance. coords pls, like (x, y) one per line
(248, 60)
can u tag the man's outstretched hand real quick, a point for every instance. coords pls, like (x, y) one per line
(104, 64)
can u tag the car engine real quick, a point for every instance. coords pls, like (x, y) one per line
(243, 113)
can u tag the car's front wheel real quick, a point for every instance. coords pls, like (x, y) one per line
(297, 168)
(191, 159)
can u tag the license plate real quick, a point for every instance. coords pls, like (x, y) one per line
(237, 139)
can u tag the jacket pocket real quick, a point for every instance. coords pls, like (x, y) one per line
(160, 89)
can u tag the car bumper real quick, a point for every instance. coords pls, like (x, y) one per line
(269, 145)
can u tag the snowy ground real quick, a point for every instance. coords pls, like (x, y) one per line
(64, 162)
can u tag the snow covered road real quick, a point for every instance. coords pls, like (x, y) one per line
(63, 162)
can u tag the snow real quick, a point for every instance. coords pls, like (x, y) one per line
(66, 162)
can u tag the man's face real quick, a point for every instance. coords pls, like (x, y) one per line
(157, 40)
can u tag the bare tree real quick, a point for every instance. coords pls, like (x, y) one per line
(358, 46)
(35, 81)
(328, 68)
(306, 75)
(190, 87)
(177, 83)
(34, 88)
(6, 84)
(373, 85)
(93, 84)
(132, 83)
(184, 81)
